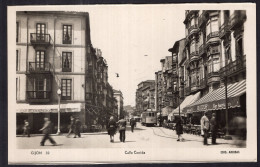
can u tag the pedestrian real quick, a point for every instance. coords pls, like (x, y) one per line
(205, 127)
(46, 129)
(111, 128)
(122, 128)
(133, 124)
(26, 128)
(213, 128)
(77, 127)
(179, 128)
(72, 125)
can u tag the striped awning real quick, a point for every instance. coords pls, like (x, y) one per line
(187, 101)
(215, 100)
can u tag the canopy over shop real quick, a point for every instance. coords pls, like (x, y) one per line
(215, 100)
(187, 101)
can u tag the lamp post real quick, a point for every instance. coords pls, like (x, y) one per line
(59, 94)
(227, 136)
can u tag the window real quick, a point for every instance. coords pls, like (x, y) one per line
(215, 64)
(66, 89)
(40, 60)
(16, 87)
(17, 60)
(66, 61)
(17, 31)
(40, 31)
(67, 34)
(214, 49)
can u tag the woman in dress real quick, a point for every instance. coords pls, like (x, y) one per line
(112, 128)
(179, 129)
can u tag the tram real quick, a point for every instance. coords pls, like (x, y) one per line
(149, 118)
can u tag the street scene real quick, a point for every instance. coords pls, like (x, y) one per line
(142, 137)
(177, 80)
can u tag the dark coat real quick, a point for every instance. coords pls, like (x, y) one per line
(111, 127)
(122, 124)
(179, 128)
(213, 124)
(132, 122)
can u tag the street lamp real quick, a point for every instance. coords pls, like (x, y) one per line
(227, 136)
(59, 94)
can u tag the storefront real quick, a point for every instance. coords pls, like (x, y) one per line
(35, 114)
(215, 101)
(187, 101)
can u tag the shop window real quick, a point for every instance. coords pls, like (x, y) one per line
(66, 89)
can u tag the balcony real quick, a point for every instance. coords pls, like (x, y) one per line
(237, 19)
(213, 77)
(193, 29)
(40, 39)
(224, 30)
(194, 56)
(35, 67)
(213, 35)
(233, 68)
(38, 96)
(202, 49)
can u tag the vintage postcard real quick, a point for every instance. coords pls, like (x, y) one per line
(129, 83)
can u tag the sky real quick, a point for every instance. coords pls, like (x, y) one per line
(127, 33)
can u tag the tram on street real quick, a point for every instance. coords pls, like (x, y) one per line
(149, 118)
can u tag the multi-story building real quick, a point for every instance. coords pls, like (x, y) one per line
(55, 64)
(118, 95)
(145, 96)
(215, 56)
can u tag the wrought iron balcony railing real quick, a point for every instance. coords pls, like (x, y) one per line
(213, 35)
(38, 96)
(193, 27)
(234, 67)
(44, 39)
(36, 67)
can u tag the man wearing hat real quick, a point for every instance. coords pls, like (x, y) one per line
(205, 127)
(213, 128)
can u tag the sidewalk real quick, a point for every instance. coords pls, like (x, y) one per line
(190, 137)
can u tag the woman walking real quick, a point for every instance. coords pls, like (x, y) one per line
(179, 129)
(111, 128)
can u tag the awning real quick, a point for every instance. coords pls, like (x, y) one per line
(187, 101)
(215, 100)
(69, 107)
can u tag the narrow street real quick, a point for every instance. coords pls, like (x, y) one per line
(143, 137)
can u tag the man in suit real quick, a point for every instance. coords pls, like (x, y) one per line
(46, 130)
(133, 124)
(122, 128)
(213, 128)
(205, 127)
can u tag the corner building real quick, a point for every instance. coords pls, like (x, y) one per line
(215, 54)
